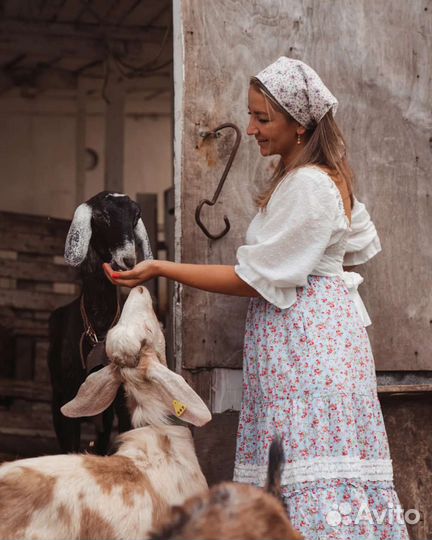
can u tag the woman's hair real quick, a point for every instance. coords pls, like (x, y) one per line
(325, 147)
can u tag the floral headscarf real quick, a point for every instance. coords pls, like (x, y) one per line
(298, 89)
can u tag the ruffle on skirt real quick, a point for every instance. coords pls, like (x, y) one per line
(309, 377)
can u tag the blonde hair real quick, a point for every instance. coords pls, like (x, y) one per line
(325, 148)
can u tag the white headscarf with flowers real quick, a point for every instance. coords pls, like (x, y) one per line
(298, 89)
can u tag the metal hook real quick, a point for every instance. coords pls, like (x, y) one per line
(221, 182)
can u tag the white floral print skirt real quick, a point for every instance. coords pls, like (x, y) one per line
(309, 377)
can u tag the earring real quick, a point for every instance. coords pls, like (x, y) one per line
(298, 138)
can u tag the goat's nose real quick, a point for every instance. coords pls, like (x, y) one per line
(129, 262)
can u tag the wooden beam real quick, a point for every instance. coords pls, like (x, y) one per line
(86, 40)
(37, 271)
(27, 390)
(404, 388)
(31, 243)
(114, 133)
(33, 300)
(44, 225)
(22, 327)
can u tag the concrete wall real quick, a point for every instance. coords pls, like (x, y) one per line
(37, 152)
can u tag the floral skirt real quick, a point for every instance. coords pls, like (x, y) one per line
(309, 377)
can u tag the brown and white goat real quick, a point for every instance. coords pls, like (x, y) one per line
(126, 494)
(230, 511)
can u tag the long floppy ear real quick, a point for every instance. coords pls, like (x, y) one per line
(95, 394)
(141, 237)
(178, 395)
(78, 238)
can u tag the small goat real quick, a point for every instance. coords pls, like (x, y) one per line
(230, 511)
(107, 228)
(124, 495)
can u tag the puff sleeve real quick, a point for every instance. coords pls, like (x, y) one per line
(290, 237)
(363, 241)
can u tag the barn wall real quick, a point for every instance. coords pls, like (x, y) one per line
(37, 152)
(375, 58)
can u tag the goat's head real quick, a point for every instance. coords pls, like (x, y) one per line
(153, 391)
(111, 224)
(136, 328)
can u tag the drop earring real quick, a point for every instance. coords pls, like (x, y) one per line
(298, 138)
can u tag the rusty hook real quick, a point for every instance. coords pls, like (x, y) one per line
(221, 183)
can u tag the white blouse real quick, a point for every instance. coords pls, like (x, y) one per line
(304, 231)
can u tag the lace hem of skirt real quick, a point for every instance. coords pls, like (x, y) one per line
(314, 469)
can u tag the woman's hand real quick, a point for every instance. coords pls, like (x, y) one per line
(140, 273)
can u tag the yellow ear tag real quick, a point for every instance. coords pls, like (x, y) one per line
(179, 407)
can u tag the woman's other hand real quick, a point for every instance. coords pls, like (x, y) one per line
(140, 273)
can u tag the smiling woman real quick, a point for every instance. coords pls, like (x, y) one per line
(276, 132)
(308, 367)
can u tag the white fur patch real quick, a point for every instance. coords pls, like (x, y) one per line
(127, 251)
(115, 195)
(142, 237)
(79, 235)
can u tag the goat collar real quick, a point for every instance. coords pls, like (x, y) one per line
(90, 332)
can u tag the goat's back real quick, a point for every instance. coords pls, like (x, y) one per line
(86, 496)
(229, 511)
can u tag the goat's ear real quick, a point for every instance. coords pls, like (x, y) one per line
(95, 394)
(178, 395)
(78, 238)
(141, 237)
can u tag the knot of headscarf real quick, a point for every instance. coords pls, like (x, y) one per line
(298, 89)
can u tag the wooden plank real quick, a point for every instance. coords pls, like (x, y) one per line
(20, 326)
(35, 271)
(387, 148)
(405, 389)
(43, 225)
(31, 300)
(220, 433)
(41, 371)
(85, 40)
(169, 224)
(28, 390)
(24, 358)
(32, 243)
(408, 422)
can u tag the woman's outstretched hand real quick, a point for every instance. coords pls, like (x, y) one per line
(140, 273)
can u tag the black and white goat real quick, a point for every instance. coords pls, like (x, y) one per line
(82, 496)
(107, 228)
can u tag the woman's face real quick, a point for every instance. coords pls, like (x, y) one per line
(275, 133)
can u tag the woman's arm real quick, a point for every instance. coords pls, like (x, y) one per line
(208, 277)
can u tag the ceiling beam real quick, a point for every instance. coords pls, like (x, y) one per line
(85, 40)
(45, 78)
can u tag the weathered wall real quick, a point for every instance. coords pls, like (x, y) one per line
(407, 420)
(375, 58)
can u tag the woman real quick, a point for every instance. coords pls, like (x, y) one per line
(308, 367)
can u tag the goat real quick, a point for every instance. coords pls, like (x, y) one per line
(107, 228)
(230, 511)
(124, 495)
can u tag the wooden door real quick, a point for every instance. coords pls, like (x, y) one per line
(374, 56)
